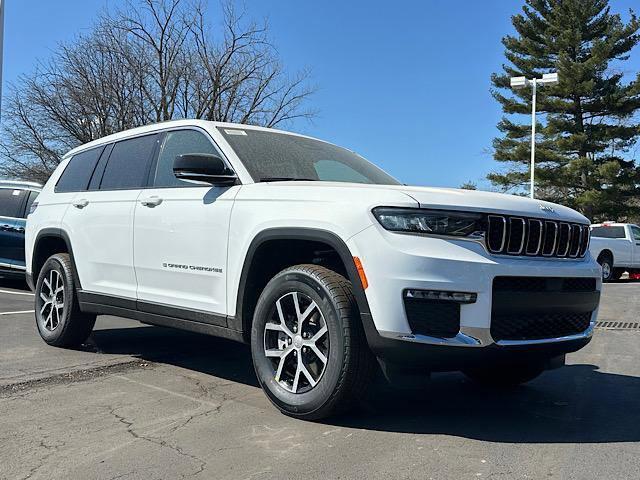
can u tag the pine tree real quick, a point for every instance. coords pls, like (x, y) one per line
(589, 124)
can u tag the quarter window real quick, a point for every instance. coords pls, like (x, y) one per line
(128, 164)
(176, 143)
(10, 201)
(77, 174)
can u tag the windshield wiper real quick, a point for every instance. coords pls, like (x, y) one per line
(287, 179)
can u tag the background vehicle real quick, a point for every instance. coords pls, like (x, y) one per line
(16, 199)
(616, 246)
(317, 258)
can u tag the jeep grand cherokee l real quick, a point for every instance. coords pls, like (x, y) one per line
(321, 261)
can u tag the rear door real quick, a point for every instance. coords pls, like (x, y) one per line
(11, 230)
(180, 237)
(100, 220)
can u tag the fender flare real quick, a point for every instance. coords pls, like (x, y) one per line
(311, 234)
(60, 234)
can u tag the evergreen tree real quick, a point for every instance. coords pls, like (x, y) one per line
(585, 142)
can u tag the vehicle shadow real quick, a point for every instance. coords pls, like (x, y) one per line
(574, 404)
(7, 281)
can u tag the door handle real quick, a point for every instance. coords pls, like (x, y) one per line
(5, 227)
(151, 201)
(81, 203)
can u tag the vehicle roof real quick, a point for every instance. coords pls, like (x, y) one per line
(20, 184)
(132, 132)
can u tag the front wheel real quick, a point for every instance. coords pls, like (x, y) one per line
(607, 268)
(308, 345)
(505, 376)
(58, 317)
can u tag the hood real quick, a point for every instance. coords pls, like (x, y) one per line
(425, 197)
(488, 202)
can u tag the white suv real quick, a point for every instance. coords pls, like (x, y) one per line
(317, 258)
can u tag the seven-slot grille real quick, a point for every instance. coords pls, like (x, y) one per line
(536, 237)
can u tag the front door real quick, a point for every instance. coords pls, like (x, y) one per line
(180, 237)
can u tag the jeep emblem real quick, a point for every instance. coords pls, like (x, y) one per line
(547, 208)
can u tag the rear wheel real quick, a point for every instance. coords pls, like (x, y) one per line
(505, 376)
(308, 345)
(606, 262)
(58, 317)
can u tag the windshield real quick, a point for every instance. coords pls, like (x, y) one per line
(272, 156)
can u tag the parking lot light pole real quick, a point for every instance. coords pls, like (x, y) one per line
(523, 82)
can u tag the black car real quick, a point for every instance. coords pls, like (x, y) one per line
(16, 199)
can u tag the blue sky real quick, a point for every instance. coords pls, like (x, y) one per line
(405, 84)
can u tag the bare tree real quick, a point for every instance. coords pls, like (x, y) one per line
(151, 61)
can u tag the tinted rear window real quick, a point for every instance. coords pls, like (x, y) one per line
(608, 232)
(10, 202)
(76, 176)
(128, 163)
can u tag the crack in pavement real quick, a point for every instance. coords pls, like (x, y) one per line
(159, 441)
(50, 449)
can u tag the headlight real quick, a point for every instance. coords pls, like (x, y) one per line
(430, 222)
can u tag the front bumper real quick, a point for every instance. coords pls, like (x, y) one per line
(396, 262)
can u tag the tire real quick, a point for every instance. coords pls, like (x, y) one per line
(606, 262)
(60, 323)
(505, 376)
(344, 377)
(617, 273)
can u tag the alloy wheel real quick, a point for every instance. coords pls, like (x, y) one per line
(296, 341)
(52, 295)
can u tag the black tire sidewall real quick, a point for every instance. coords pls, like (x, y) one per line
(54, 263)
(308, 402)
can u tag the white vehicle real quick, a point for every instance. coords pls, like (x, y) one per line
(314, 256)
(616, 246)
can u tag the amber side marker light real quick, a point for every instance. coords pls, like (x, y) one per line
(361, 274)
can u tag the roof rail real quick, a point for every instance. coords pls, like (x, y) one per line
(19, 183)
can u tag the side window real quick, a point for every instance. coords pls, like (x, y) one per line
(32, 196)
(10, 202)
(128, 163)
(178, 143)
(636, 233)
(77, 174)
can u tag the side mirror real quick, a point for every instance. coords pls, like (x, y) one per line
(203, 167)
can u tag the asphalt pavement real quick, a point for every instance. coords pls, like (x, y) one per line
(141, 402)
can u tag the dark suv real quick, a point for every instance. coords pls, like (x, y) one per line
(16, 199)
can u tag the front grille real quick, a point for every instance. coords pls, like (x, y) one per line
(432, 317)
(538, 326)
(509, 235)
(536, 308)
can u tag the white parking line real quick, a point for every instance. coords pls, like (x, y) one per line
(15, 313)
(16, 293)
